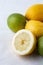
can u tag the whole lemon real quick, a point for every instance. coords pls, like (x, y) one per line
(36, 27)
(16, 22)
(35, 12)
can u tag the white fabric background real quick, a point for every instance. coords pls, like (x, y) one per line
(7, 55)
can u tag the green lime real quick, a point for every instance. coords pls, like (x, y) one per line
(40, 45)
(16, 22)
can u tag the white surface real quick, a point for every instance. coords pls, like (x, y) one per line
(7, 55)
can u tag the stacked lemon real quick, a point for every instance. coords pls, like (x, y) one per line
(29, 28)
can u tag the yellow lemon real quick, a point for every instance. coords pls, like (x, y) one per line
(24, 42)
(36, 27)
(35, 12)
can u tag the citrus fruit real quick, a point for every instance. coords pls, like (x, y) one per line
(36, 27)
(40, 45)
(16, 22)
(24, 42)
(35, 12)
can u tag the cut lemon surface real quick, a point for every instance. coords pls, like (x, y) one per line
(24, 42)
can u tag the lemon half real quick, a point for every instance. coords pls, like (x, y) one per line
(24, 42)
